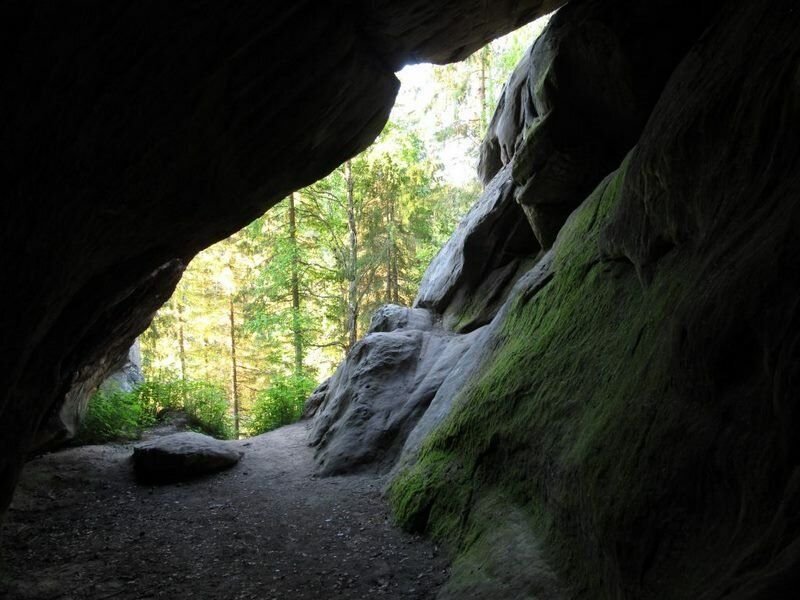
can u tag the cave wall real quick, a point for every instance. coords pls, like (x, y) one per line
(123, 374)
(137, 134)
(573, 107)
(622, 424)
(635, 423)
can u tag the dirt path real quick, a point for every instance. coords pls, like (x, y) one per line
(81, 528)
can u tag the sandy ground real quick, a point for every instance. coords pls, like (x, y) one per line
(81, 527)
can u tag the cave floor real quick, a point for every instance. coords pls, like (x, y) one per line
(81, 527)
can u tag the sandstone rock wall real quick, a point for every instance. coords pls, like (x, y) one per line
(573, 107)
(389, 381)
(123, 374)
(626, 421)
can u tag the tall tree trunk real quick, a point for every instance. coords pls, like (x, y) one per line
(297, 334)
(392, 294)
(234, 369)
(181, 339)
(352, 267)
(387, 294)
(483, 57)
(205, 359)
(395, 280)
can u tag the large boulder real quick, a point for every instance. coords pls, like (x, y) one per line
(182, 456)
(382, 389)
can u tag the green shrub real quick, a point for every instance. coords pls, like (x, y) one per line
(205, 403)
(113, 415)
(120, 415)
(280, 404)
(158, 395)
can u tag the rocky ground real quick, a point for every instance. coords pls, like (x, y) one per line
(81, 527)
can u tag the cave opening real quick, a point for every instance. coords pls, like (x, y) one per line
(262, 318)
(254, 324)
(592, 395)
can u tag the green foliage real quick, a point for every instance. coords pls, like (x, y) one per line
(157, 395)
(280, 404)
(205, 403)
(288, 293)
(118, 415)
(114, 415)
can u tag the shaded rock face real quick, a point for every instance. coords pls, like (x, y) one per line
(627, 420)
(579, 99)
(316, 398)
(380, 392)
(642, 406)
(398, 383)
(124, 374)
(473, 350)
(182, 456)
(391, 317)
(127, 375)
(468, 279)
(572, 108)
(135, 136)
(62, 419)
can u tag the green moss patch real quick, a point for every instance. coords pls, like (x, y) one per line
(433, 497)
(502, 557)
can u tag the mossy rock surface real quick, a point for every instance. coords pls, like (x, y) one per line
(628, 413)
(502, 558)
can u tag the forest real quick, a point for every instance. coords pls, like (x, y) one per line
(261, 318)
